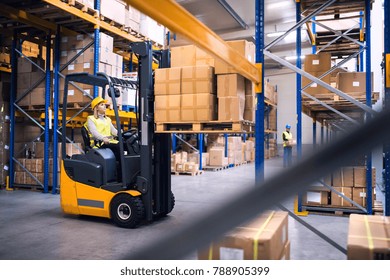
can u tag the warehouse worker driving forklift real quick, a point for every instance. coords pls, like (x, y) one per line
(100, 128)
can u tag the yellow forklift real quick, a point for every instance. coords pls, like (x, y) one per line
(90, 183)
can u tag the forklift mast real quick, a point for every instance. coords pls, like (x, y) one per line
(155, 178)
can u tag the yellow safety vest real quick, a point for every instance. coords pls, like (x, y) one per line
(288, 136)
(103, 127)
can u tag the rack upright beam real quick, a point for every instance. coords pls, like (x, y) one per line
(368, 102)
(259, 130)
(47, 120)
(14, 63)
(57, 55)
(387, 104)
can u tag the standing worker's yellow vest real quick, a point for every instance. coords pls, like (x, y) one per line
(103, 127)
(288, 136)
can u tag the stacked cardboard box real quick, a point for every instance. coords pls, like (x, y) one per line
(190, 56)
(185, 94)
(109, 63)
(217, 157)
(198, 100)
(114, 10)
(132, 18)
(264, 238)
(236, 150)
(250, 101)
(351, 181)
(236, 95)
(185, 162)
(167, 90)
(270, 92)
(368, 237)
(151, 29)
(316, 196)
(231, 97)
(35, 165)
(316, 65)
(28, 76)
(353, 83)
(249, 150)
(5, 58)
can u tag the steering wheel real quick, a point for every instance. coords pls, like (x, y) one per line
(128, 133)
(131, 140)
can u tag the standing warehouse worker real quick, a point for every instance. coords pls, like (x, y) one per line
(287, 146)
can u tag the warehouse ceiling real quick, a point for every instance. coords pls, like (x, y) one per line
(233, 20)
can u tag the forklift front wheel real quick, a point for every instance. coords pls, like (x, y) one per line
(127, 211)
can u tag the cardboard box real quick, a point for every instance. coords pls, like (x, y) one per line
(359, 176)
(217, 157)
(190, 55)
(167, 108)
(359, 195)
(286, 252)
(194, 157)
(231, 85)
(337, 200)
(25, 66)
(353, 82)
(168, 81)
(197, 79)
(198, 107)
(245, 48)
(191, 167)
(368, 237)
(316, 197)
(317, 62)
(343, 177)
(264, 238)
(231, 108)
(314, 87)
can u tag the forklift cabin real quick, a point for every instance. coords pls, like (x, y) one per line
(90, 184)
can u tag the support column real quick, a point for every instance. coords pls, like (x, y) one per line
(322, 133)
(96, 49)
(298, 92)
(387, 105)
(368, 103)
(200, 147)
(47, 119)
(14, 63)
(259, 131)
(57, 55)
(314, 133)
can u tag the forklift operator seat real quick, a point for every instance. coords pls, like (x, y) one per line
(86, 139)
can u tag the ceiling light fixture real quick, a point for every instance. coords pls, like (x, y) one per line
(275, 34)
(278, 5)
(294, 57)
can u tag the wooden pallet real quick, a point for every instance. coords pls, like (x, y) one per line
(35, 188)
(205, 127)
(332, 210)
(195, 173)
(83, 7)
(214, 168)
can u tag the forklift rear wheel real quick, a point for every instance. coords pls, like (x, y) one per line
(127, 211)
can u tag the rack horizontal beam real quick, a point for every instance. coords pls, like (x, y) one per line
(178, 20)
(26, 18)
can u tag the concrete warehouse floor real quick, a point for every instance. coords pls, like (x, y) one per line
(34, 227)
